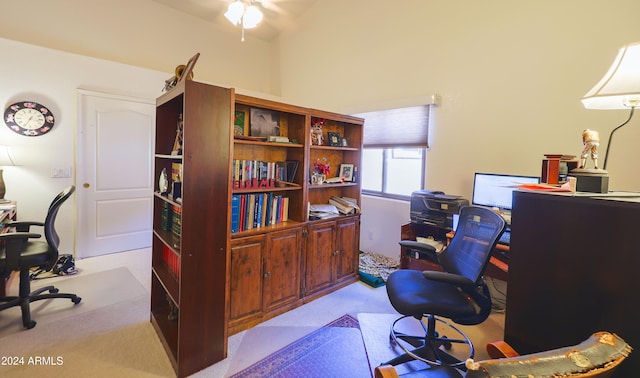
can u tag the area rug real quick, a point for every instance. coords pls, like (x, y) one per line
(334, 350)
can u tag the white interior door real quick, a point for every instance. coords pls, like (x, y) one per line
(114, 173)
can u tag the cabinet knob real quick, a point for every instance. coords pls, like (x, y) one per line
(267, 274)
(85, 185)
(336, 253)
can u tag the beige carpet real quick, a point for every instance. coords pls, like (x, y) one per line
(108, 334)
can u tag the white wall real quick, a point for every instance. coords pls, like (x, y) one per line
(51, 77)
(380, 225)
(510, 73)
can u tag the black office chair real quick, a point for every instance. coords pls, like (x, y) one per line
(457, 293)
(18, 253)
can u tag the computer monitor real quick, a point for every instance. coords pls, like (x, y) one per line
(496, 190)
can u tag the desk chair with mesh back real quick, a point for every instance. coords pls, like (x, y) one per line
(457, 293)
(19, 253)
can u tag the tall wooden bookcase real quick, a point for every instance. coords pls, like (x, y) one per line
(189, 264)
(209, 282)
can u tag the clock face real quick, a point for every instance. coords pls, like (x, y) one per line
(29, 118)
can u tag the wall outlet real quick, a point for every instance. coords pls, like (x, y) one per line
(60, 172)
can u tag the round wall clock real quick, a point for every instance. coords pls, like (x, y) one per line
(29, 118)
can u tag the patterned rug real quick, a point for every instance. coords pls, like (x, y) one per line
(335, 350)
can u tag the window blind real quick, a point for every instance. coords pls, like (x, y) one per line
(402, 127)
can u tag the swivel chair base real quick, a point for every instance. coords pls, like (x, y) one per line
(26, 296)
(430, 347)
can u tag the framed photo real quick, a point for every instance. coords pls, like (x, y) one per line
(238, 123)
(346, 172)
(344, 142)
(264, 122)
(334, 139)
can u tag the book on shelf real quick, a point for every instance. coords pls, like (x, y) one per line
(176, 224)
(248, 174)
(172, 260)
(323, 211)
(176, 171)
(166, 217)
(235, 213)
(345, 205)
(257, 210)
(278, 139)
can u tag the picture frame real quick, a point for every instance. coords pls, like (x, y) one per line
(346, 172)
(187, 73)
(335, 139)
(238, 123)
(344, 142)
(264, 123)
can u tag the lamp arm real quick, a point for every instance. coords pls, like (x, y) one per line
(606, 153)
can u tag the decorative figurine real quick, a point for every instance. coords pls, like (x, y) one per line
(316, 132)
(591, 141)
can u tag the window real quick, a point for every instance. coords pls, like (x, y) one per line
(395, 143)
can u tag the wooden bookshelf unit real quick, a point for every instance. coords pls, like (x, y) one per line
(212, 277)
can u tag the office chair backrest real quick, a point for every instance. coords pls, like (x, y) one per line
(50, 233)
(478, 232)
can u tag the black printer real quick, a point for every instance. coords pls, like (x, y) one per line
(435, 208)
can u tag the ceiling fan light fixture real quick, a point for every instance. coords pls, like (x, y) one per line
(252, 17)
(234, 12)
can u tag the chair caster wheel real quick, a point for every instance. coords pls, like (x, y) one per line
(446, 344)
(76, 300)
(30, 324)
(54, 290)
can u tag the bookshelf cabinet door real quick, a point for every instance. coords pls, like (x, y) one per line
(321, 251)
(245, 297)
(282, 268)
(348, 248)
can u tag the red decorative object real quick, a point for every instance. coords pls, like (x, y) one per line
(322, 168)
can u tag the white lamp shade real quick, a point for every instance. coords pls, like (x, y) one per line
(620, 87)
(234, 12)
(5, 157)
(252, 17)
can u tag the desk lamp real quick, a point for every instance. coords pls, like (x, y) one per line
(5, 160)
(618, 89)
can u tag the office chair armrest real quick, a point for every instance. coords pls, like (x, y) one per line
(451, 278)
(424, 250)
(13, 246)
(19, 235)
(23, 226)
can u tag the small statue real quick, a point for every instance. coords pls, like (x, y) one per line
(316, 132)
(591, 141)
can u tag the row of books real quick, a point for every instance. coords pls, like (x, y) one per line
(172, 260)
(258, 174)
(253, 173)
(171, 220)
(255, 210)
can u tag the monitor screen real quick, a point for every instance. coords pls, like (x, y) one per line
(495, 190)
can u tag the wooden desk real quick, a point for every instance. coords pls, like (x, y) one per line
(498, 267)
(573, 271)
(6, 216)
